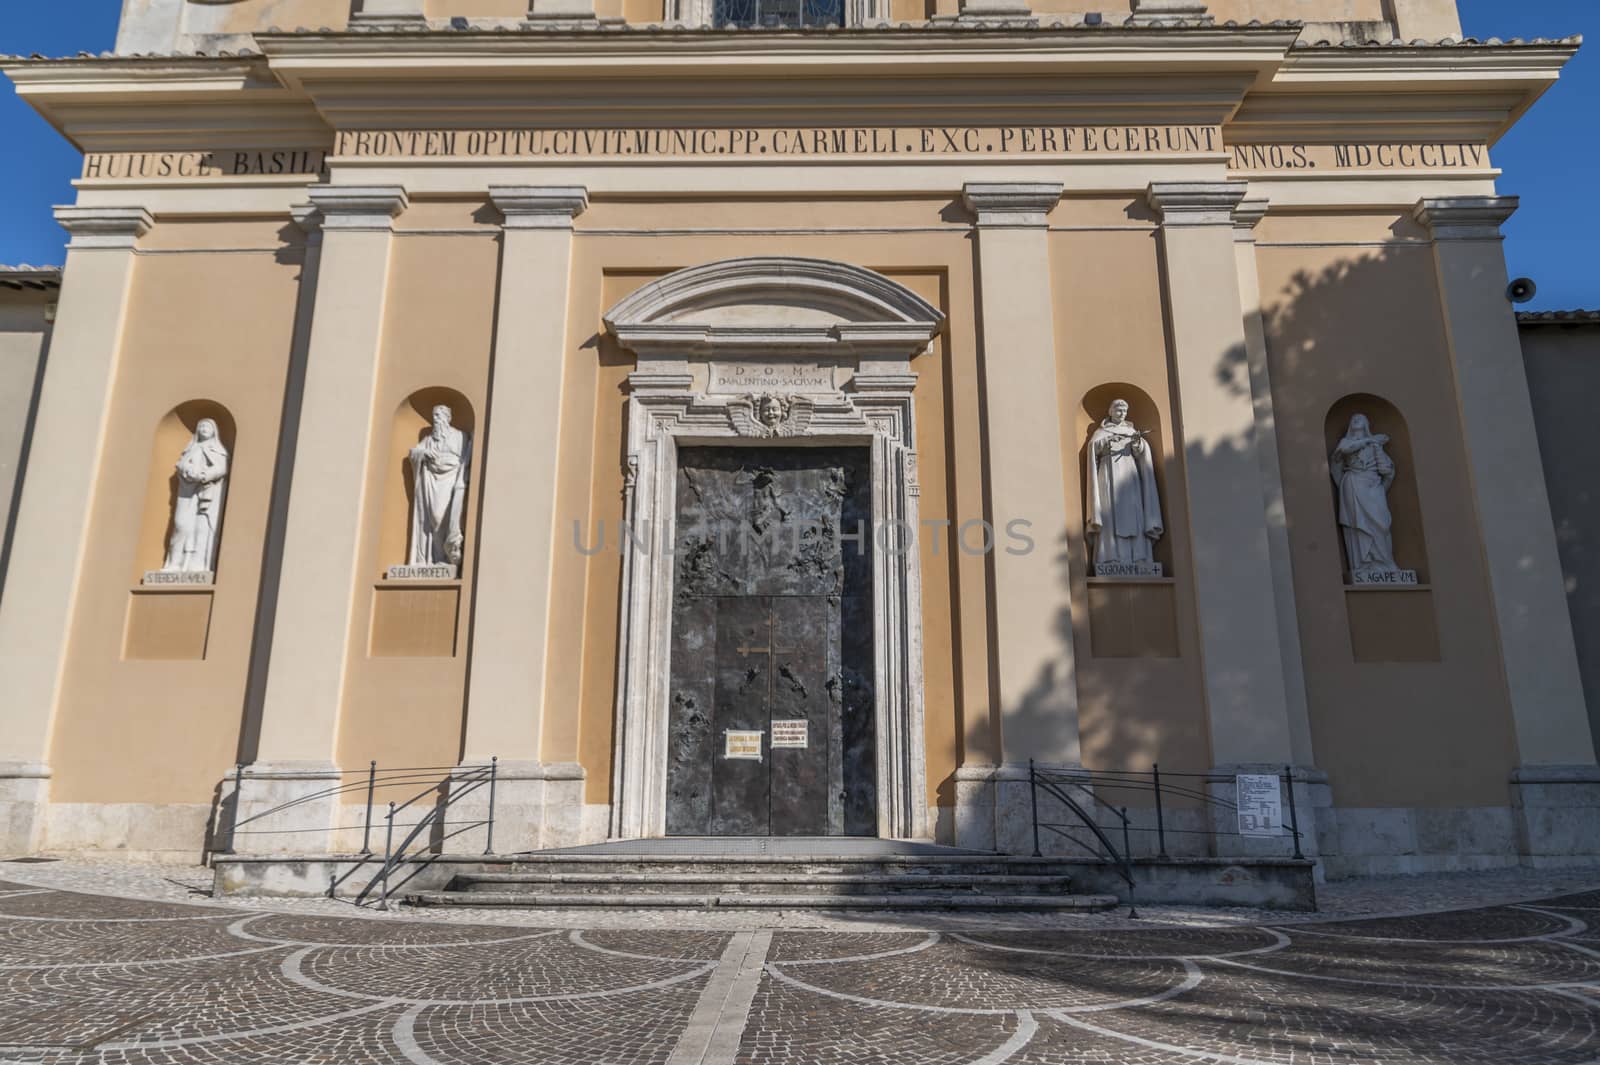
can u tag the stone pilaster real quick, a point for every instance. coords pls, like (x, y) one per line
(1036, 673)
(1555, 793)
(52, 527)
(518, 538)
(295, 756)
(1245, 218)
(1215, 409)
(1313, 797)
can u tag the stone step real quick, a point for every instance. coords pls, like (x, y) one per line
(772, 883)
(963, 901)
(799, 865)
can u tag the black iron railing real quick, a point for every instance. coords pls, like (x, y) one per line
(1084, 794)
(456, 784)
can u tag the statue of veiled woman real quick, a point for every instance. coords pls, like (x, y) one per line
(197, 512)
(439, 481)
(1362, 471)
(1124, 508)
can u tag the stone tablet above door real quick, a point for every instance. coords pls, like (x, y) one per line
(828, 347)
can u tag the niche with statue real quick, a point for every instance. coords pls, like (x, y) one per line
(1382, 553)
(180, 538)
(1131, 596)
(424, 540)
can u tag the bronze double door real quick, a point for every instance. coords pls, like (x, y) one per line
(771, 718)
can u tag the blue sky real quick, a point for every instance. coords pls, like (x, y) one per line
(1551, 159)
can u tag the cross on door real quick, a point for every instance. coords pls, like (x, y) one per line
(771, 649)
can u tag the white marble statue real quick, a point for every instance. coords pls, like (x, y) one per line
(1124, 511)
(439, 478)
(197, 512)
(1363, 472)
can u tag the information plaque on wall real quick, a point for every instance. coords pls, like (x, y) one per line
(1260, 805)
(791, 733)
(742, 745)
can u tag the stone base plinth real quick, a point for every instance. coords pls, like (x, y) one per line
(537, 806)
(1311, 796)
(24, 801)
(1557, 811)
(995, 811)
(282, 808)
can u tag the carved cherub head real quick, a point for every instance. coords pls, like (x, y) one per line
(770, 410)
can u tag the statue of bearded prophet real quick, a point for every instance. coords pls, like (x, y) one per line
(439, 480)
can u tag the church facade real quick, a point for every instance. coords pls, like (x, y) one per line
(746, 418)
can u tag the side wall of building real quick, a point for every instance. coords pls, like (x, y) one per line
(1563, 362)
(25, 322)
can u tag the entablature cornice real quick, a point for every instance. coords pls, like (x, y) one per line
(306, 90)
(1461, 93)
(461, 81)
(129, 104)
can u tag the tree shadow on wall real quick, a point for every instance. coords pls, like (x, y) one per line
(1324, 331)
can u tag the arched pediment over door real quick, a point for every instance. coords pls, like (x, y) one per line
(786, 351)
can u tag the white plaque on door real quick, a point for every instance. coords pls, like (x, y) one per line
(742, 745)
(791, 733)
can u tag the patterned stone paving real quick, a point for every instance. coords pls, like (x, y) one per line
(85, 978)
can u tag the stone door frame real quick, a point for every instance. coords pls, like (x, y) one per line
(769, 310)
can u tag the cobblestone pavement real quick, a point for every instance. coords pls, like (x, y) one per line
(97, 978)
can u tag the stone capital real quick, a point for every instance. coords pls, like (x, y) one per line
(1465, 217)
(1010, 12)
(390, 14)
(539, 207)
(562, 14)
(1246, 217)
(1163, 12)
(104, 227)
(307, 218)
(1011, 204)
(361, 208)
(1196, 203)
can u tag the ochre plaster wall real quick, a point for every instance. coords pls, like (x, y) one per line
(1110, 342)
(1365, 318)
(938, 266)
(399, 707)
(202, 325)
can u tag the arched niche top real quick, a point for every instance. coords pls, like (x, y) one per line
(774, 305)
